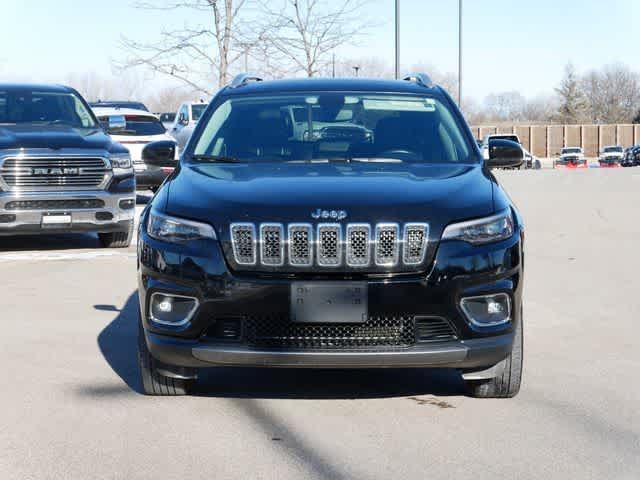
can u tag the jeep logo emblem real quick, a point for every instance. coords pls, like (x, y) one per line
(55, 171)
(319, 214)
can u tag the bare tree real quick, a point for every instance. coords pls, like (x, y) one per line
(93, 86)
(612, 94)
(306, 32)
(572, 100)
(168, 99)
(199, 56)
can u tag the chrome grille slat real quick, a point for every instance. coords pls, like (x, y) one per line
(243, 242)
(329, 245)
(387, 244)
(271, 244)
(358, 245)
(415, 240)
(300, 245)
(303, 245)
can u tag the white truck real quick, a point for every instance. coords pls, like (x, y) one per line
(186, 119)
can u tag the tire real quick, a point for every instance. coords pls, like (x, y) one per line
(117, 239)
(153, 383)
(506, 385)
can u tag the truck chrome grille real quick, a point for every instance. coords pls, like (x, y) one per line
(60, 173)
(303, 245)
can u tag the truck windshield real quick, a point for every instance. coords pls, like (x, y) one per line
(49, 108)
(139, 125)
(571, 150)
(197, 110)
(613, 149)
(333, 126)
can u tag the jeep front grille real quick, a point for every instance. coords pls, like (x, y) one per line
(59, 173)
(329, 245)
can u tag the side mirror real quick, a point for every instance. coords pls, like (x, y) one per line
(160, 154)
(116, 123)
(504, 154)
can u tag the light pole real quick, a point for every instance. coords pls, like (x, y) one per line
(397, 67)
(460, 54)
(355, 69)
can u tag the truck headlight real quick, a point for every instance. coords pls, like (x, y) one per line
(121, 163)
(483, 230)
(177, 230)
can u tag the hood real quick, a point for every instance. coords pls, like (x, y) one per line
(278, 192)
(612, 155)
(55, 137)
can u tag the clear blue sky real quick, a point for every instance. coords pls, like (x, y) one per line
(508, 44)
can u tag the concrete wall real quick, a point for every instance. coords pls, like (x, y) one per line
(547, 140)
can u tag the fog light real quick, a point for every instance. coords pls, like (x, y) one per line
(170, 309)
(127, 203)
(487, 310)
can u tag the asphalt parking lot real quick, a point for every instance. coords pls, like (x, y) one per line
(71, 409)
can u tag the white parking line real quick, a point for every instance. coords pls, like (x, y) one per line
(47, 256)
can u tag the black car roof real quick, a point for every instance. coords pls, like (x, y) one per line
(329, 84)
(39, 87)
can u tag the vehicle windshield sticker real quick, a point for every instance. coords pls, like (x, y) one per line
(426, 105)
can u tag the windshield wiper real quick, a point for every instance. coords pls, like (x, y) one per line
(216, 158)
(377, 160)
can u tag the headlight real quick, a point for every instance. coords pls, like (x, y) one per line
(177, 230)
(121, 163)
(483, 230)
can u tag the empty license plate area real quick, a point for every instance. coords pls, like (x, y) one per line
(329, 302)
(56, 220)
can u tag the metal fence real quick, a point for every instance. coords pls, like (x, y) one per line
(547, 140)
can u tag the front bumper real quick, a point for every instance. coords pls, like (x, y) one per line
(200, 271)
(463, 354)
(27, 219)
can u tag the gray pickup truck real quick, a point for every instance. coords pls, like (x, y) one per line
(60, 172)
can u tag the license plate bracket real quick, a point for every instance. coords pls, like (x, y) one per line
(56, 220)
(329, 302)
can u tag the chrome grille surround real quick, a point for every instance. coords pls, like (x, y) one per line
(329, 244)
(300, 241)
(387, 244)
(243, 243)
(54, 172)
(414, 247)
(272, 244)
(301, 245)
(358, 244)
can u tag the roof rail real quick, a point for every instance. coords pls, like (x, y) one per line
(243, 79)
(419, 78)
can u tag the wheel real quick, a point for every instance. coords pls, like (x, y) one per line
(117, 239)
(507, 384)
(153, 383)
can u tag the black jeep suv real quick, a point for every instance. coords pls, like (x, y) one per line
(333, 224)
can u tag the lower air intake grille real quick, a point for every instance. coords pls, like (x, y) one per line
(54, 204)
(434, 329)
(278, 332)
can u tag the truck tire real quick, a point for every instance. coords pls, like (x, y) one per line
(507, 384)
(153, 383)
(117, 239)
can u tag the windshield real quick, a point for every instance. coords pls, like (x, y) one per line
(197, 110)
(328, 126)
(613, 149)
(139, 125)
(571, 150)
(49, 108)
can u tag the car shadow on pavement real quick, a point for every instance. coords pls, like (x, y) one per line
(71, 241)
(118, 344)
